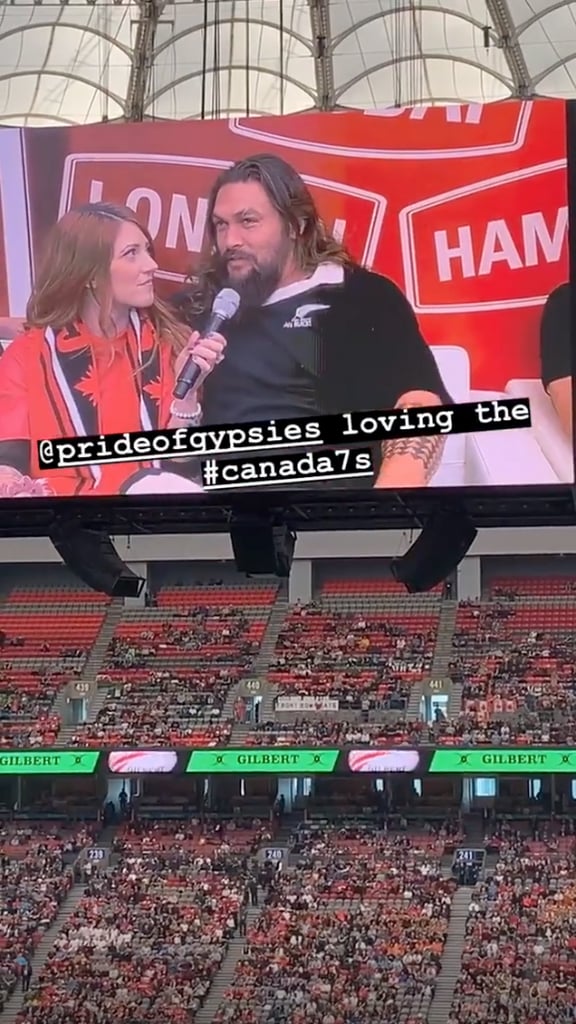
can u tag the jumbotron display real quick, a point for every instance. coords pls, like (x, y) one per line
(246, 278)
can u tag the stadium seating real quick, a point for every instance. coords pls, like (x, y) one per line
(230, 596)
(359, 925)
(356, 927)
(514, 656)
(147, 938)
(532, 586)
(362, 589)
(518, 960)
(204, 840)
(45, 637)
(149, 933)
(362, 644)
(360, 921)
(305, 732)
(34, 880)
(169, 668)
(146, 708)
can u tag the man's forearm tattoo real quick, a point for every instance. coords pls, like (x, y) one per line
(426, 450)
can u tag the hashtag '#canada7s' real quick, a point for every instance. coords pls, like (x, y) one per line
(281, 470)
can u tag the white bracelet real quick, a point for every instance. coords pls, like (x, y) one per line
(191, 417)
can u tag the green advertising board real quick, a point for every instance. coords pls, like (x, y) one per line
(303, 761)
(48, 762)
(263, 762)
(521, 761)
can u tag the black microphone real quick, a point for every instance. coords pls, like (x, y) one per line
(225, 306)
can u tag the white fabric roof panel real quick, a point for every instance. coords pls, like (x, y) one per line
(75, 62)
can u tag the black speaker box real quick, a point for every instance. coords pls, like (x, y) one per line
(92, 557)
(261, 548)
(440, 548)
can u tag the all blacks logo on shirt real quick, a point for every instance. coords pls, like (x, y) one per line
(302, 317)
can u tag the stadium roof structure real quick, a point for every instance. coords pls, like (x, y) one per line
(83, 61)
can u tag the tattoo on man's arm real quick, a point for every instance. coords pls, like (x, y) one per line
(426, 450)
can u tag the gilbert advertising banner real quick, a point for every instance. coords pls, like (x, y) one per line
(405, 257)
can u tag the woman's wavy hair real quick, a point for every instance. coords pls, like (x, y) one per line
(291, 197)
(77, 258)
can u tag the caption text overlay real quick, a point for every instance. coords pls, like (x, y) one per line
(255, 439)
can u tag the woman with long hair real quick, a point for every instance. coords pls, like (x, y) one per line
(99, 355)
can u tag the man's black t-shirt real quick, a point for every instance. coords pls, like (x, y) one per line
(273, 361)
(555, 346)
(340, 341)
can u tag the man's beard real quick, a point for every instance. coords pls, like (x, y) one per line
(255, 287)
(261, 281)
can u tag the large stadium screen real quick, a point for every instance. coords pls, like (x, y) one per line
(348, 300)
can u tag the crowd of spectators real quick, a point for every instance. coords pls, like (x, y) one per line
(26, 702)
(218, 634)
(519, 960)
(518, 684)
(461, 730)
(365, 661)
(355, 932)
(323, 732)
(155, 708)
(556, 833)
(167, 678)
(204, 837)
(149, 934)
(357, 927)
(35, 877)
(516, 667)
(523, 730)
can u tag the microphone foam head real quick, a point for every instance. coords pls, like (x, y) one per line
(226, 303)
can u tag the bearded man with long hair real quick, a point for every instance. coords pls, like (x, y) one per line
(316, 333)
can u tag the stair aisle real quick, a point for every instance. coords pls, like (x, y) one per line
(474, 828)
(223, 979)
(451, 959)
(440, 661)
(443, 649)
(258, 670)
(413, 709)
(95, 696)
(454, 701)
(98, 653)
(16, 1001)
(261, 663)
(265, 656)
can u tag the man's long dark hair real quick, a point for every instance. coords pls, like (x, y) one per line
(291, 197)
